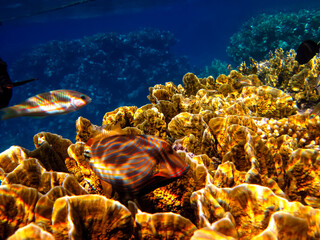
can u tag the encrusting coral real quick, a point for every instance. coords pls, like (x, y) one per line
(90, 217)
(252, 150)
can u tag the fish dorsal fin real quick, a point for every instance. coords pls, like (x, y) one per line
(15, 84)
(115, 130)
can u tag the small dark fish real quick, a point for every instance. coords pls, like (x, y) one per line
(6, 85)
(306, 51)
(134, 164)
(50, 103)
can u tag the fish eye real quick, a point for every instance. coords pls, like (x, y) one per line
(83, 97)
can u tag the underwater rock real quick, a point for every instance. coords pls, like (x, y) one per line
(90, 216)
(164, 92)
(29, 173)
(186, 123)
(85, 130)
(44, 206)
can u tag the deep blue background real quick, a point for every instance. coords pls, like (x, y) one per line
(203, 28)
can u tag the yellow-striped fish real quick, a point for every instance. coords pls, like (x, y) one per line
(50, 103)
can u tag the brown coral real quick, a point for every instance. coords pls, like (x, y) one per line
(11, 158)
(163, 226)
(78, 166)
(51, 151)
(31, 231)
(94, 217)
(17, 207)
(253, 163)
(252, 207)
(122, 115)
(150, 121)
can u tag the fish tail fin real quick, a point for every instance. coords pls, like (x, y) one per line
(8, 113)
(23, 82)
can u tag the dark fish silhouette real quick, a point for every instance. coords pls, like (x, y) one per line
(6, 85)
(306, 51)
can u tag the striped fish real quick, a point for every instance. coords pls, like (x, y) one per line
(49, 103)
(133, 163)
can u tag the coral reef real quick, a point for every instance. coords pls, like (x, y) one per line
(90, 217)
(267, 32)
(31, 231)
(216, 68)
(103, 66)
(281, 71)
(253, 160)
(131, 62)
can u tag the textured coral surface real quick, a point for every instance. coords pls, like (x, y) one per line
(266, 32)
(253, 161)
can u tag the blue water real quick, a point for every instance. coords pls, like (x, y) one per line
(202, 28)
